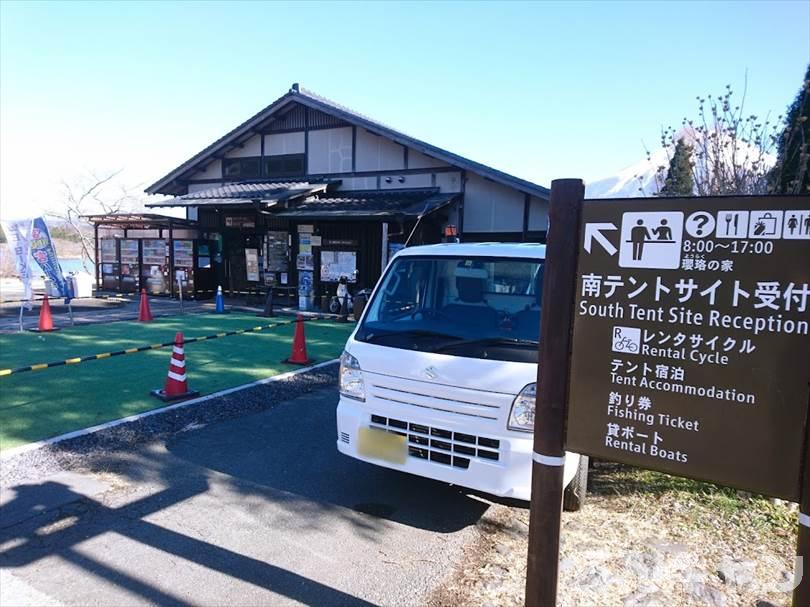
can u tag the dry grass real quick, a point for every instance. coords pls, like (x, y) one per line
(643, 538)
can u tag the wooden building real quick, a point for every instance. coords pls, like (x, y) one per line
(308, 190)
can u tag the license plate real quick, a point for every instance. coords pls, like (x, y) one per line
(379, 444)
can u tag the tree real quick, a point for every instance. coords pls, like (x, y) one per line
(94, 193)
(791, 174)
(679, 181)
(732, 153)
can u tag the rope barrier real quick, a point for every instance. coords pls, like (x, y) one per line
(84, 359)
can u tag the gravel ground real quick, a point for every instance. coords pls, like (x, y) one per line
(76, 453)
(642, 539)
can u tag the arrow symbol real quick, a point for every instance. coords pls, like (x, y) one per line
(593, 231)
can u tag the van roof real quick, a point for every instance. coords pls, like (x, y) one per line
(529, 250)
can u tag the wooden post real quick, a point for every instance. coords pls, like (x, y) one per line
(559, 285)
(801, 594)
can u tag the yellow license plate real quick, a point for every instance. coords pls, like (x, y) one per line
(379, 444)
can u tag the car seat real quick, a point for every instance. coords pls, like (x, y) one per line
(471, 284)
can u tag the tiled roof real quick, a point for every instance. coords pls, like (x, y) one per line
(309, 99)
(245, 193)
(358, 205)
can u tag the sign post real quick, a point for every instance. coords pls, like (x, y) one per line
(552, 392)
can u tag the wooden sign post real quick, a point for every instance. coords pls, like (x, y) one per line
(552, 394)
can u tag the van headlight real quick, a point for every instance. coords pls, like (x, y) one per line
(521, 417)
(351, 378)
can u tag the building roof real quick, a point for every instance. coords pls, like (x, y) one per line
(139, 221)
(268, 193)
(296, 94)
(369, 205)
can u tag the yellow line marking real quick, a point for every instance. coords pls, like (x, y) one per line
(156, 346)
(131, 350)
(39, 366)
(105, 355)
(5, 371)
(73, 361)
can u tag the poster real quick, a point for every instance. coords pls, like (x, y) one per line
(335, 264)
(108, 250)
(183, 253)
(304, 262)
(154, 252)
(276, 258)
(129, 252)
(252, 264)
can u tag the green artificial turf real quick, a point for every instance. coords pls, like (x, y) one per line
(40, 404)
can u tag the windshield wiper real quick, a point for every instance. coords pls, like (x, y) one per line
(487, 341)
(418, 332)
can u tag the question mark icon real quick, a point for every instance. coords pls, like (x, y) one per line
(700, 224)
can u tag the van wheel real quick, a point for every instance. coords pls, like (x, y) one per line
(574, 494)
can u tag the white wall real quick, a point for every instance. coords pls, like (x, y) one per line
(330, 151)
(417, 160)
(279, 144)
(538, 214)
(491, 207)
(377, 153)
(212, 171)
(252, 147)
(358, 183)
(448, 182)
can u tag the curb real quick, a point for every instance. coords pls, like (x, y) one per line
(15, 451)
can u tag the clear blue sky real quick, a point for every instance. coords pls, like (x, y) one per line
(541, 90)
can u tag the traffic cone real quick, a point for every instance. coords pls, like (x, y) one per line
(144, 313)
(299, 348)
(176, 386)
(220, 302)
(45, 318)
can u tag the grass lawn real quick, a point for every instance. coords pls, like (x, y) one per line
(40, 404)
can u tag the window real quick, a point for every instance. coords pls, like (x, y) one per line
(288, 165)
(255, 167)
(241, 168)
(476, 307)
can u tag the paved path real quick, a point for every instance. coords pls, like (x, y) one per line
(258, 510)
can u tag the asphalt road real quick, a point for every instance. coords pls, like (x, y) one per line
(257, 510)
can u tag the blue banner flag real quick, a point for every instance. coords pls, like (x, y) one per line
(44, 253)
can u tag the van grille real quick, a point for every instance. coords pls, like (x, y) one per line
(421, 397)
(344, 437)
(439, 445)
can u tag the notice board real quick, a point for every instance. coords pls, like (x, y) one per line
(690, 346)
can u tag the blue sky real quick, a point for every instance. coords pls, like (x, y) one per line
(542, 90)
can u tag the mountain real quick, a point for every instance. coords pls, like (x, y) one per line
(635, 181)
(639, 179)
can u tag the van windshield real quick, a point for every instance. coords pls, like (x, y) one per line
(481, 307)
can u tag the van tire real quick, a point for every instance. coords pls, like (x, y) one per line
(574, 494)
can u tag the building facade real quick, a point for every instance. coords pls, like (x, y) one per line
(307, 190)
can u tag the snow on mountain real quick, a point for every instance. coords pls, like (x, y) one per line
(635, 181)
(639, 179)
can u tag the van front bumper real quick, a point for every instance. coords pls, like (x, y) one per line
(445, 450)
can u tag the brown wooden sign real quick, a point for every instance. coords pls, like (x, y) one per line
(691, 338)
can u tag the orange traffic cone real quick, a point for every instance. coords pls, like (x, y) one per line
(144, 313)
(176, 383)
(299, 348)
(45, 318)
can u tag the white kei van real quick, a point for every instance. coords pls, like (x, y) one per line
(438, 378)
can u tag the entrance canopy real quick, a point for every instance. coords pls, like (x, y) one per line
(246, 194)
(139, 221)
(369, 205)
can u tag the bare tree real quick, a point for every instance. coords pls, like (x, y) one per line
(94, 193)
(732, 152)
